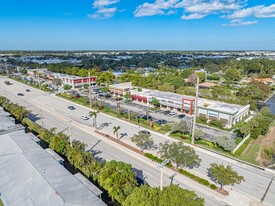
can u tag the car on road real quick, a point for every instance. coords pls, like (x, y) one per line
(71, 107)
(144, 132)
(84, 117)
(181, 116)
(161, 121)
(20, 94)
(27, 90)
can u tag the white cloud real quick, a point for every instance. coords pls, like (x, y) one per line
(99, 3)
(195, 8)
(156, 8)
(104, 9)
(240, 22)
(260, 11)
(193, 16)
(214, 6)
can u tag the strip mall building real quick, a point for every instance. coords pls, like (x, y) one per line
(228, 114)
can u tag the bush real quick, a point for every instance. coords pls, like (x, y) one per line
(205, 142)
(194, 177)
(213, 187)
(217, 123)
(242, 148)
(238, 140)
(156, 127)
(156, 159)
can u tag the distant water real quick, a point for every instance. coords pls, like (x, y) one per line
(271, 104)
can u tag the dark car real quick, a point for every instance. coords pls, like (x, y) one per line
(161, 121)
(145, 117)
(108, 96)
(20, 94)
(144, 132)
(181, 116)
(27, 90)
(166, 112)
(71, 107)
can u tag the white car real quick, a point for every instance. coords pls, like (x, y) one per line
(173, 113)
(84, 117)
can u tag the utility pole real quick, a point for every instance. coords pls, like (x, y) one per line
(129, 115)
(7, 71)
(147, 115)
(70, 133)
(195, 112)
(90, 91)
(38, 78)
(42, 122)
(160, 166)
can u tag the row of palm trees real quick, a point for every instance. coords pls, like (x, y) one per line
(93, 116)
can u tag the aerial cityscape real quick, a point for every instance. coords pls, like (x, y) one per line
(148, 103)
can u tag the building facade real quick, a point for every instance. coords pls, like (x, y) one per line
(77, 82)
(228, 114)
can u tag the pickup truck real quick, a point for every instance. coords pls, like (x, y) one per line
(7, 82)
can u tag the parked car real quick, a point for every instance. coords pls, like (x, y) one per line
(20, 94)
(84, 117)
(71, 107)
(161, 121)
(144, 132)
(145, 117)
(173, 113)
(167, 112)
(181, 116)
(27, 90)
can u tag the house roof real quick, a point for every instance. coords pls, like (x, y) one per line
(207, 84)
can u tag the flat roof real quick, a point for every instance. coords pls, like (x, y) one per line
(122, 86)
(30, 176)
(88, 184)
(54, 155)
(203, 103)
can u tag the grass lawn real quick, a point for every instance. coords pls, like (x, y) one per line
(251, 152)
(1, 203)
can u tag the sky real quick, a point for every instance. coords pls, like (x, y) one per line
(137, 25)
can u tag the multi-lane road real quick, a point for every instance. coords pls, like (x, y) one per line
(55, 114)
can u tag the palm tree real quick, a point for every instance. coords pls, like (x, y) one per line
(116, 129)
(93, 114)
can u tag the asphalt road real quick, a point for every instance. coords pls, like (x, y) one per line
(256, 181)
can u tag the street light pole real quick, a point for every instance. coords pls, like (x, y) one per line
(70, 133)
(7, 68)
(90, 91)
(195, 112)
(160, 166)
(42, 122)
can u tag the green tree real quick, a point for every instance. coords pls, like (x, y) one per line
(155, 102)
(225, 142)
(179, 154)
(180, 126)
(86, 86)
(116, 129)
(67, 87)
(232, 75)
(201, 75)
(173, 195)
(143, 196)
(166, 87)
(224, 175)
(79, 146)
(118, 179)
(198, 134)
(93, 115)
(143, 141)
